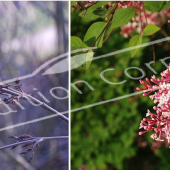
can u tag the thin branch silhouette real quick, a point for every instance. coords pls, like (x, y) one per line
(29, 143)
(17, 93)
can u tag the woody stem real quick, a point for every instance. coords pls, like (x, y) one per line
(29, 97)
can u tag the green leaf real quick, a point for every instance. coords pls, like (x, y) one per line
(89, 58)
(154, 6)
(134, 41)
(167, 4)
(122, 16)
(150, 29)
(89, 15)
(73, 3)
(100, 11)
(93, 32)
(103, 12)
(82, 58)
(76, 43)
(100, 162)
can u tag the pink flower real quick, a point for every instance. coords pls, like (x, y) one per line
(142, 17)
(160, 121)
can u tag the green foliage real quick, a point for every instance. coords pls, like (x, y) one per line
(101, 137)
(122, 17)
(89, 15)
(103, 12)
(76, 43)
(150, 29)
(100, 12)
(73, 3)
(167, 4)
(154, 6)
(105, 136)
(162, 153)
(86, 56)
(135, 41)
(92, 34)
(83, 57)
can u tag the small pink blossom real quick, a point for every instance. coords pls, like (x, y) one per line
(142, 17)
(158, 90)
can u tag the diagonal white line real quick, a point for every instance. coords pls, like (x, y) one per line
(132, 48)
(73, 110)
(106, 101)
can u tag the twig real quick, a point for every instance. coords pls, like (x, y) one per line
(29, 97)
(141, 22)
(18, 159)
(154, 58)
(145, 17)
(29, 143)
(31, 140)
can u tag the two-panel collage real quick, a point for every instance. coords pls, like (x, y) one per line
(84, 85)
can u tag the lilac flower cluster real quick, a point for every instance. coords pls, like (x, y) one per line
(158, 90)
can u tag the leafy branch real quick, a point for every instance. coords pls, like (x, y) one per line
(129, 16)
(77, 5)
(108, 22)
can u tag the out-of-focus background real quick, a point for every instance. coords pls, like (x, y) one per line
(31, 34)
(106, 136)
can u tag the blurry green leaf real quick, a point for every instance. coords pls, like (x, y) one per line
(101, 162)
(93, 32)
(90, 166)
(122, 16)
(89, 15)
(89, 58)
(76, 43)
(150, 29)
(73, 3)
(154, 6)
(134, 41)
(167, 4)
(84, 57)
(100, 11)
(84, 60)
(103, 12)
(78, 162)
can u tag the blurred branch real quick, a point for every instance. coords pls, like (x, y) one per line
(44, 8)
(32, 139)
(60, 22)
(29, 143)
(20, 94)
(19, 159)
